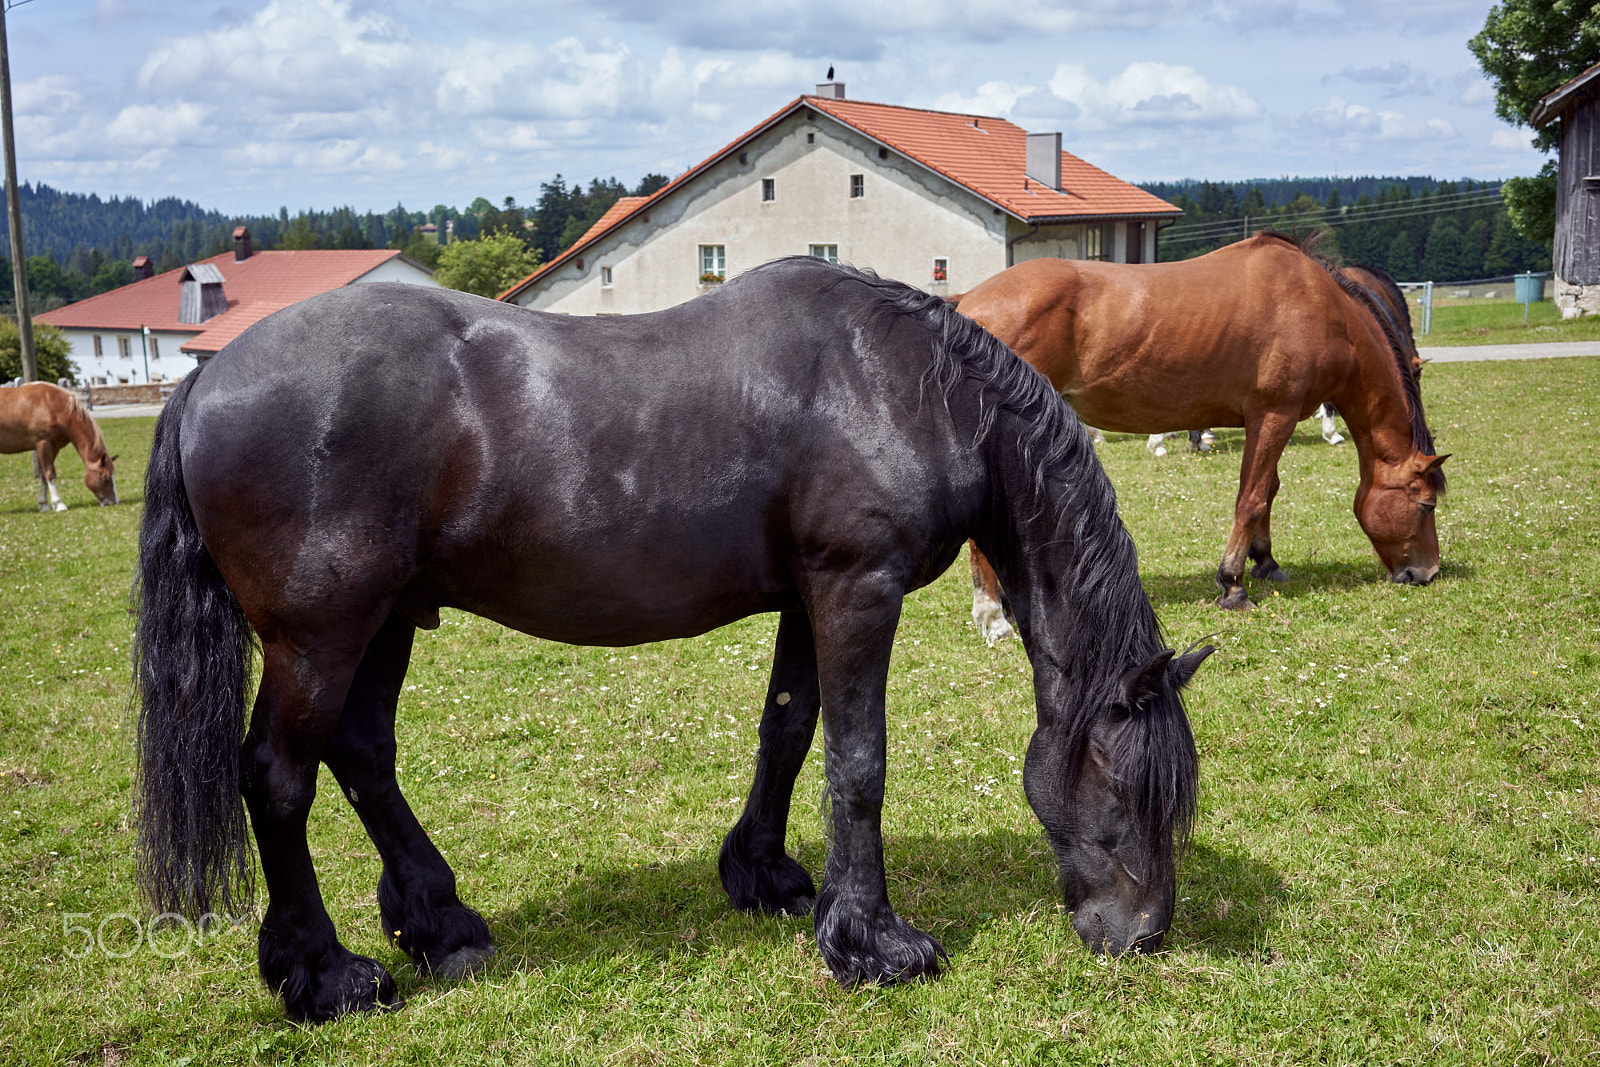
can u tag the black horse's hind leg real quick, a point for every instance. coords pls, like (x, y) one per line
(858, 933)
(756, 871)
(300, 955)
(417, 891)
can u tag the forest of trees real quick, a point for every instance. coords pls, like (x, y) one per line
(79, 245)
(1417, 229)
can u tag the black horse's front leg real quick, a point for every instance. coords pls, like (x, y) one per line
(756, 871)
(858, 933)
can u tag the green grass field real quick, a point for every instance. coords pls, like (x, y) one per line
(1501, 323)
(1395, 860)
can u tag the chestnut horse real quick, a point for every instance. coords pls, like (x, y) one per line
(41, 418)
(807, 440)
(1258, 334)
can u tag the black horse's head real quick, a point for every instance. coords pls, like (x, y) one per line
(1116, 793)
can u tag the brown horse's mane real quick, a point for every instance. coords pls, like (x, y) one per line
(78, 413)
(1401, 348)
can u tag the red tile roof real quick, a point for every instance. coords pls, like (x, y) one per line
(255, 287)
(983, 154)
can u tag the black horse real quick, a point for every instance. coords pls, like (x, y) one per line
(808, 440)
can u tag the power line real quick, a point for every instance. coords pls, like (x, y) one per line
(1205, 231)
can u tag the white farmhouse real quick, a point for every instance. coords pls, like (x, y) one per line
(162, 326)
(936, 199)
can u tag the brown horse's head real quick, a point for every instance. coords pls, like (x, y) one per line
(99, 475)
(1396, 511)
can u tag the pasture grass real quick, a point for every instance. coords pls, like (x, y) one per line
(1395, 859)
(1501, 322)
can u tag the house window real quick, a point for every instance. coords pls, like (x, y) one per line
(155, 347)
(811, 138)
(1093, 243)
(769, 190)
(858, 185)
(605, 276)
(827, 252)
(98, 352)
(941, 268)
(124, 348)
(713, 264)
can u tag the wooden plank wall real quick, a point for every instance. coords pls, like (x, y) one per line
(1577, 243)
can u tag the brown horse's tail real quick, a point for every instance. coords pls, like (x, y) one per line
(192, 653)
(954, 299)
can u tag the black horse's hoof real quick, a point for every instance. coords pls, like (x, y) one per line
(873, 945)
(350, 984)
(776, 887)
(463, 962)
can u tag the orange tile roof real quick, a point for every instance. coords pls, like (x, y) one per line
(988, 156)
(985, 155)
(613, 215)
(255, 287)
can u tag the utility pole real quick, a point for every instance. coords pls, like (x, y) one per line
(19, 266)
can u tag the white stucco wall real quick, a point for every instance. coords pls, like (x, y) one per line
(397, 270)
(905, 219)
(110, 368)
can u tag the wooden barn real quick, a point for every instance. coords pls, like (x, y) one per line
(1577, 246)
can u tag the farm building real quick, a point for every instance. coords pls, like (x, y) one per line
(1577, 241)
(161, 326)
(937, 199)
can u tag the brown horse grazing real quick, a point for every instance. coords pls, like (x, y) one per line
(1257, 334)
(41, 418)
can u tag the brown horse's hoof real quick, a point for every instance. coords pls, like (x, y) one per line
(1234, 601)
(1276, 574)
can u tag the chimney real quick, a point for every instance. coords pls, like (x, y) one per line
(831, 89)
(143, 268)
(1044, 159)
(241, 243)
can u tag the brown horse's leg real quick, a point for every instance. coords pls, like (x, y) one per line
(1261, 541)
(756, 871)
(301, 959)
(44, 465)
(417, 891)
(858, 933)
(988, 599)
(1265, 439)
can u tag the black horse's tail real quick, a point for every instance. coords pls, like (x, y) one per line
(192, 656)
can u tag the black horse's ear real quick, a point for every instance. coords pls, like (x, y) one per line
(1141, 683)
(1183, 668)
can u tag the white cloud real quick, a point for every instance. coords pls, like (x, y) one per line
(1149, 94)
(1354, 122)
(158, 125)
(991, 98)
(1520, 140)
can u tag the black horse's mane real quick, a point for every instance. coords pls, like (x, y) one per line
(1156, 766)
(1401, 345)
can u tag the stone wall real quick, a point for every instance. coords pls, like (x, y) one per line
(1575, 301)
(97, 396)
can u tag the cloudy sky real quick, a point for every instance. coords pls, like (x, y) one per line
(248, 105)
